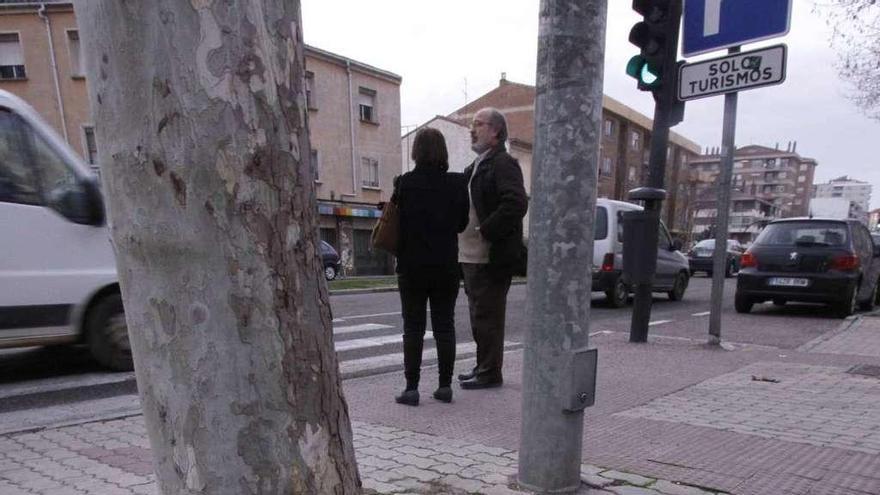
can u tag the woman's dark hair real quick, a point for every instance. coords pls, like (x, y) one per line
(429, 148)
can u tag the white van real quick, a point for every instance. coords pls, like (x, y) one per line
(58, 282)
(672, 274)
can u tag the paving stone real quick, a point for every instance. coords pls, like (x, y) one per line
(383, 475)
(412, 485)
(19, 475)
(630, 490)
(589, 469)
(452, 459)
(411, 460)
(596, 481)
(419, 474)
(7, 488)
(148, 489)
(667, 487)
(379, 463)
(630, 478)
(468, 485)
(416, 451)
(447, 468)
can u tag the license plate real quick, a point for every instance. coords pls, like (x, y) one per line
(788, 282)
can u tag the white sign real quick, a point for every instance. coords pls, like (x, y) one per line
(738, 72)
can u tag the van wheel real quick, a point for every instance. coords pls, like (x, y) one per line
(330, 272)
(681, 283)
(107, 334)
(868, 305)
(742, 304)
(618, 294)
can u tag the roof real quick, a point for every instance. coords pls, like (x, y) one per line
(434, 119)
(753, 151)
(355, 65)
(517, 102)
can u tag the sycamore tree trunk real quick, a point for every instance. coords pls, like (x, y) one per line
(200, 112)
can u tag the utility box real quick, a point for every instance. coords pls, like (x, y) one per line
(640, 234)
(581, 391)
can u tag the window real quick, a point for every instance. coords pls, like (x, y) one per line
(369, 172)
(311, 99)
(802, 178)
(367, 105)
(91, 145)
(803, 168)
(607, 165)
(632, 173)
(800, 189)
(609, 127)
(635, 140)
(17, 181)
(738, 164)
(315, 163)
(77, 65)
(11, 57)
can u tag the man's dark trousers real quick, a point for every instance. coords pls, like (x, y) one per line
(487, 300)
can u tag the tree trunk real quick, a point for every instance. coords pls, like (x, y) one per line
(200, 112)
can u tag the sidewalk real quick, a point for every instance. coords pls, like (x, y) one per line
(673, 417)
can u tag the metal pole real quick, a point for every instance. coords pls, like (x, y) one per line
(568, 111)
(719, 261)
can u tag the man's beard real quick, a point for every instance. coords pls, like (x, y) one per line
(480, 148)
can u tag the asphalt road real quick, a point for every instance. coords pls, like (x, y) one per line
(64, 384)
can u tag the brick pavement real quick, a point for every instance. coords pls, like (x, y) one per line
(113, 457)
(670, 411)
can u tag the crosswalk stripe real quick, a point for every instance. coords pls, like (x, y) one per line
(366, 343)
(391, 362)
(658, 322)
(359, 328)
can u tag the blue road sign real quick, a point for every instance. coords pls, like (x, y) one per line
(711, 25)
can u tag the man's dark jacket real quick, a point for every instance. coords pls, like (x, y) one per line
(500, 200)
(433, 209)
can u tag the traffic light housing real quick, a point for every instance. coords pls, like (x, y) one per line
(657, 36)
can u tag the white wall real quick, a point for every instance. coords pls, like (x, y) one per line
(829, 207)
(458, 144)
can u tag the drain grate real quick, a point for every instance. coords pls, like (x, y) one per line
(865, 370)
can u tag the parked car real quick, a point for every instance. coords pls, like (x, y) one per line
(672, 274)
(702, 257)
(58, 281)
(330, 258)
(834, 262)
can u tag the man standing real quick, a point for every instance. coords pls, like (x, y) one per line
(490, 248)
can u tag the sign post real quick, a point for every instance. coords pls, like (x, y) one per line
(711, 25)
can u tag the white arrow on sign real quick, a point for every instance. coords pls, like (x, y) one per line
(738, 72)
(712, 18)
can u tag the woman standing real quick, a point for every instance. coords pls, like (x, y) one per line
(433, 209)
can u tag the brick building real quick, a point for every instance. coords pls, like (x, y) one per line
(782, 178)
(354, 119)
(623, 161)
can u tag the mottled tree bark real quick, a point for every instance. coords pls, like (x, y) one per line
(204, 149)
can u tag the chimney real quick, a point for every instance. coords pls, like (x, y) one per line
(777, 146)
(503, 78)
(794, 147)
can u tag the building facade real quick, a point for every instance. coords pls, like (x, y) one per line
(353, 115)
(748, 215)
(624, 150)
(844, 187)
(781, 178)
(838, 207)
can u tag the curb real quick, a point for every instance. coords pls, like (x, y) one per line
(376, 290)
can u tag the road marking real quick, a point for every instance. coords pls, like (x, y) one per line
(393, 362)
(353, 317)
(359, 328)
(659, 322)
(350, 345)
(602, 332)
(704, 313)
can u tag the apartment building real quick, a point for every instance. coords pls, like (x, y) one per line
(623, 160)
(748, 215)
(845, 187)
(353, 111)
(782, 178)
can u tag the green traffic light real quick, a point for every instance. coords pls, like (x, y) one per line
(639, 69)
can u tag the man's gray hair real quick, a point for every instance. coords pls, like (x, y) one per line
(497, 121)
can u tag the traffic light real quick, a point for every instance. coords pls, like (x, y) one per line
(657, 37)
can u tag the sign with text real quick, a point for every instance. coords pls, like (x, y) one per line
(711, 25)
(738, 72)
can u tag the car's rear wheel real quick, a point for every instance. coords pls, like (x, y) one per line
(617, 295)
(107, 334)
(868, 305)
(681, 283)
(742, 303)
(848, 306)
(330, 272)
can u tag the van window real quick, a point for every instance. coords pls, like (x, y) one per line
(600, 229)
(17, 182)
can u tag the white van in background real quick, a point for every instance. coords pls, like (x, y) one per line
(58, 282)
(673, 273)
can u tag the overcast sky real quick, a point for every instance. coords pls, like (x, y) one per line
(452, 51)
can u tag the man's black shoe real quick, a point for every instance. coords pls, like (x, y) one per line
(408, 397)
(479, 383)
(470, 375)
(443, 394)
